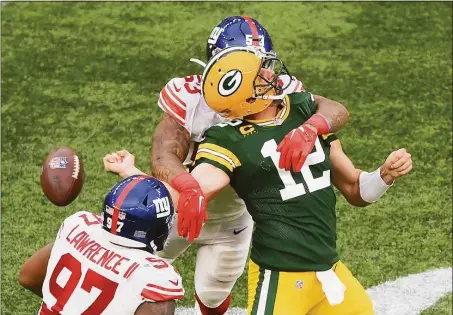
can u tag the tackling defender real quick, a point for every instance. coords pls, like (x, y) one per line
(224, 242)
(106, 264)
(294, 267)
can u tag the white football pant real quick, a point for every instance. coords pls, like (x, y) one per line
(223, 247)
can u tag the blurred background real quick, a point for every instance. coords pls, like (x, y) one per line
(87, 75)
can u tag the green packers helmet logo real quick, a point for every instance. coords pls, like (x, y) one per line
(230, 82)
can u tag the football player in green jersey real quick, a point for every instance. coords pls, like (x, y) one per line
(295, 267)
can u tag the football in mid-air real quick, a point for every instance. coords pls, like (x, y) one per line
(62, 176)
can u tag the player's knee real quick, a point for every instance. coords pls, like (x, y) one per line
(222, 279)
(214, 281)
(231, 265)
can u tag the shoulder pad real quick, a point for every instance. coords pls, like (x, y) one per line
(219, 131)
(231, 130)
(179, 95)
(79, 218)
(301, 96)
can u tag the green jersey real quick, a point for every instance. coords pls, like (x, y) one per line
(294, 213)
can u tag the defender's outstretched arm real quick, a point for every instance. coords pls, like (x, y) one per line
(171, 143)
(210, 181)
(330, 116)
(335, 113)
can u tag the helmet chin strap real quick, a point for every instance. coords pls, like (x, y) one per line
(198, 61)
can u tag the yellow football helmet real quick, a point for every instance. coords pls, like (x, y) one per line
(235, 83)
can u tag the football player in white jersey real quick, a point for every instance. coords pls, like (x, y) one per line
(224, 241)
(107, 264)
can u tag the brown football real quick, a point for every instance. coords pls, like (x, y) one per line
(62, 176)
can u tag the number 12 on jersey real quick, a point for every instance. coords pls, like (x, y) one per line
(293, 190)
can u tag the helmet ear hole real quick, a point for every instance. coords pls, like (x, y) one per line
(251, 100)
(145, 201)
(148, 200)
(158, 234)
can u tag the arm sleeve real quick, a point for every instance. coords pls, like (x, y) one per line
(216, 150)
(305, 103)
(309, 102)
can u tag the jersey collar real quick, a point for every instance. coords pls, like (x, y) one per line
(279, 118)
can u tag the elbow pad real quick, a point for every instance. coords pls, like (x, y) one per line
(372, 186)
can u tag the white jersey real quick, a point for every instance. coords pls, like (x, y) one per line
(181, 99)
(87, 274)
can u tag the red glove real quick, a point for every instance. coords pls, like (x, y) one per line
(299, 142)
(191, 206)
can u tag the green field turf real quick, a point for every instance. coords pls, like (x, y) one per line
(87, 75)
(441, 308)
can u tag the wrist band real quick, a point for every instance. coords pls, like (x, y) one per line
(372, 186)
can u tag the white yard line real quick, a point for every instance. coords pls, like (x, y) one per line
(408, 295)
(412, 294)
